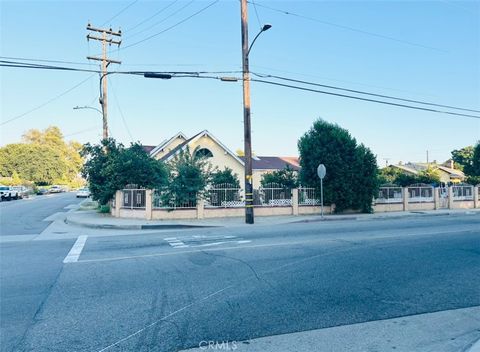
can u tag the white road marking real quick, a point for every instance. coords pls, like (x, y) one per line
(76, 250)
(175, 242)
(210, 244)
(266, 245)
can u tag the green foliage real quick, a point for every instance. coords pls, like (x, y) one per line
(389, 175)
(111, 167)
(429, 176)
(188, 178)
(287, 178)
(395, 176)
(38, 163)
(475, 169)
(43, 157)
(463, 158)
(225, 176)
(104, 209)
(351, 180)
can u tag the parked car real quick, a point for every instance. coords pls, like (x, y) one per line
(22, 191)
(7, 193)
(83, 193)
(42, 190)
(56, 189)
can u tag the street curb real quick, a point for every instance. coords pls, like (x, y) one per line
(380, 217)
(135, 227)
(475, 347)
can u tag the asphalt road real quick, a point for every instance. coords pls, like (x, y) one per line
(25, 216)
(169, 291)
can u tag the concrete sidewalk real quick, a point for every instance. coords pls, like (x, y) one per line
(445, 331)
(95, 220)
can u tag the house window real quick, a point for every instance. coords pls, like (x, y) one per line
(203, 153)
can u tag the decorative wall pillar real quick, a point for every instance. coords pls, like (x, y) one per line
(148, 204)
(295, 201)
(450, 198)
(200, 209)
(405, 197)
(118, 203)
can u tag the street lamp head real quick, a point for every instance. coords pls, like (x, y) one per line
(266, 27)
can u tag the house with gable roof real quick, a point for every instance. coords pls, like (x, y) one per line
(447, 172)
(219, 155)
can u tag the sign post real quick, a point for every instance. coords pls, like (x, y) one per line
(321, 172)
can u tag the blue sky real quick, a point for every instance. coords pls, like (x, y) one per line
(433, 54)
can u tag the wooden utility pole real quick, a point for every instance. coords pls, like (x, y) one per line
(106, 38)
(249, 217)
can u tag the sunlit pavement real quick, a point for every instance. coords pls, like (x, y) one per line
(331, 286)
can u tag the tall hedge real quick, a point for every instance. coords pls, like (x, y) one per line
(351, 180)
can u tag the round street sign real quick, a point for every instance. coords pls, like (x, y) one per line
(321, 171)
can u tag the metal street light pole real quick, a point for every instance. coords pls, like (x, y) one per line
(249, 216)
(87, 107)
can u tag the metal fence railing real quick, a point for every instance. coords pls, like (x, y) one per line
(389, 195)
(133, 198)
(224, 195)
(420, 194)
(161, 200)
(308, 196)
(462, 192)
(272, 195)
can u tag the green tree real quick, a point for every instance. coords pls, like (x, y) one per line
(35, 162)
(69, 152)
(188, 179)
(225, 176)
(463, 158)
(111, 167)
(473, 173)
(351, 180)
(366, 179)
(287, 178)
(429, 176)
(388, 175)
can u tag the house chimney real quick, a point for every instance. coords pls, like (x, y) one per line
(452, 164)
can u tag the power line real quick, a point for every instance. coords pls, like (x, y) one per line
(363, 99)
(364, 93)
(152, 16)
(120, 12)
(162, 20)
(256, 14)
(45, 60)
(47, 102)
(172, 26)
(63, 68)
(15, 64)
(289, 13)
(120, 111)
(81, 131)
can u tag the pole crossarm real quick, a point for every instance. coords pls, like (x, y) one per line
(101, 59)
(110, 41)
(106, 31)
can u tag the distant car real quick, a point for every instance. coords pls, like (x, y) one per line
(56, 189)
(83, 193)
(22, 191)
(42, 191)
